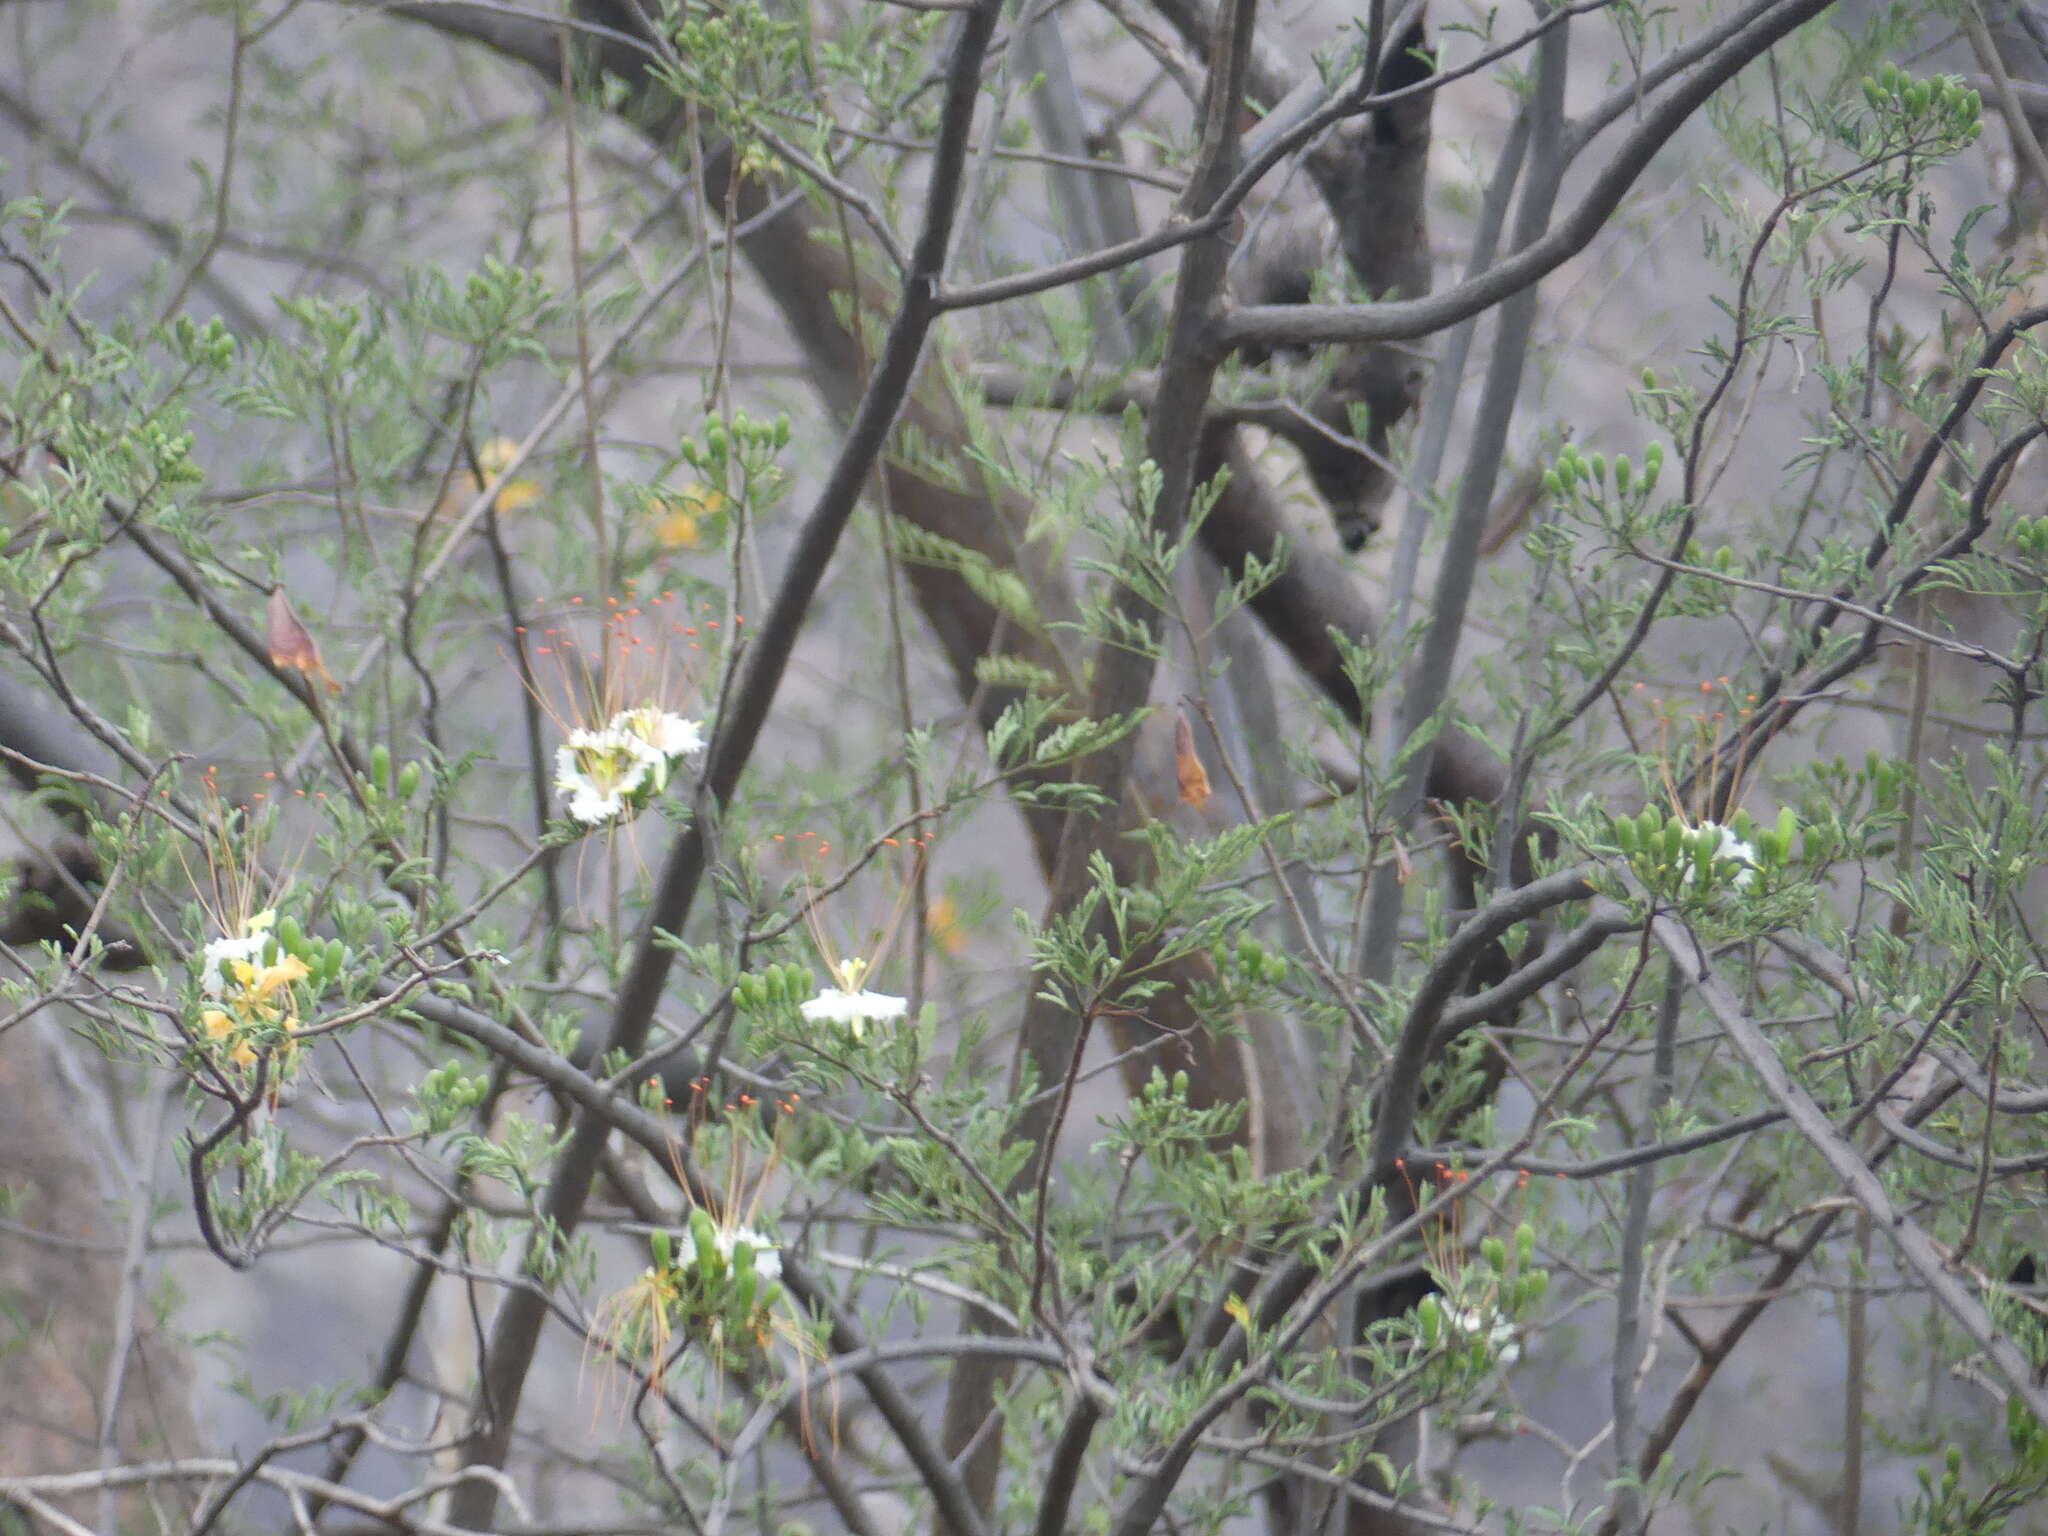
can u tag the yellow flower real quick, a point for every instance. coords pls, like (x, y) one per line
(942, 917)
(260, 984)
(514, 494)
(492, 458)
(219, 1026)
(683, 513)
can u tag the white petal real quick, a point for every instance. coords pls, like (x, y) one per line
(832, 1006)
(214, 959)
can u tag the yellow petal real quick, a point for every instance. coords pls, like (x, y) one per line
(218, 1025)
(942, 917)
(515, 494)
(496, 454)
(677, 530)
(263, 984)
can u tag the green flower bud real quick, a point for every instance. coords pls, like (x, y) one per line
(380, 766)
(1495, 1252)
(704, 1238)
(1525, 1245)
(1430, 1315)
(408, 781)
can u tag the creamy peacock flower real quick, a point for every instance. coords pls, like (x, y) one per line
(604, 773)
(667, 732)
(849, 1004)
(252, 992)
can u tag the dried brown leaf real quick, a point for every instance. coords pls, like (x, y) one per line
(292, 644)
(1187, 765)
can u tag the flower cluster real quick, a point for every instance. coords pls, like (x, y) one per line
(611, 772)
(1486, 1330)
(250, 976)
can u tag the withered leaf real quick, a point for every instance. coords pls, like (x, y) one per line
(1187, 765)
(292, 644)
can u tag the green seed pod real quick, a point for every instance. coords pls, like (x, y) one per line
(1495, 1252)
(1873, 93)
(291, 935)
(408, 781)
(1624, 474)
(380, 766)
(1653, 465)
(1525, 1246)
(1552, 486)
(1529, 1288)
(332, 959)
(782, 430)
(1625, 835)
(1430, 1315)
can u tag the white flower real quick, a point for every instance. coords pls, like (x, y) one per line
(1730, 847)
(219, 954)
(215, 958)
(853, 1009)
(662, 729)
(602, 771)
(1497, 1332)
